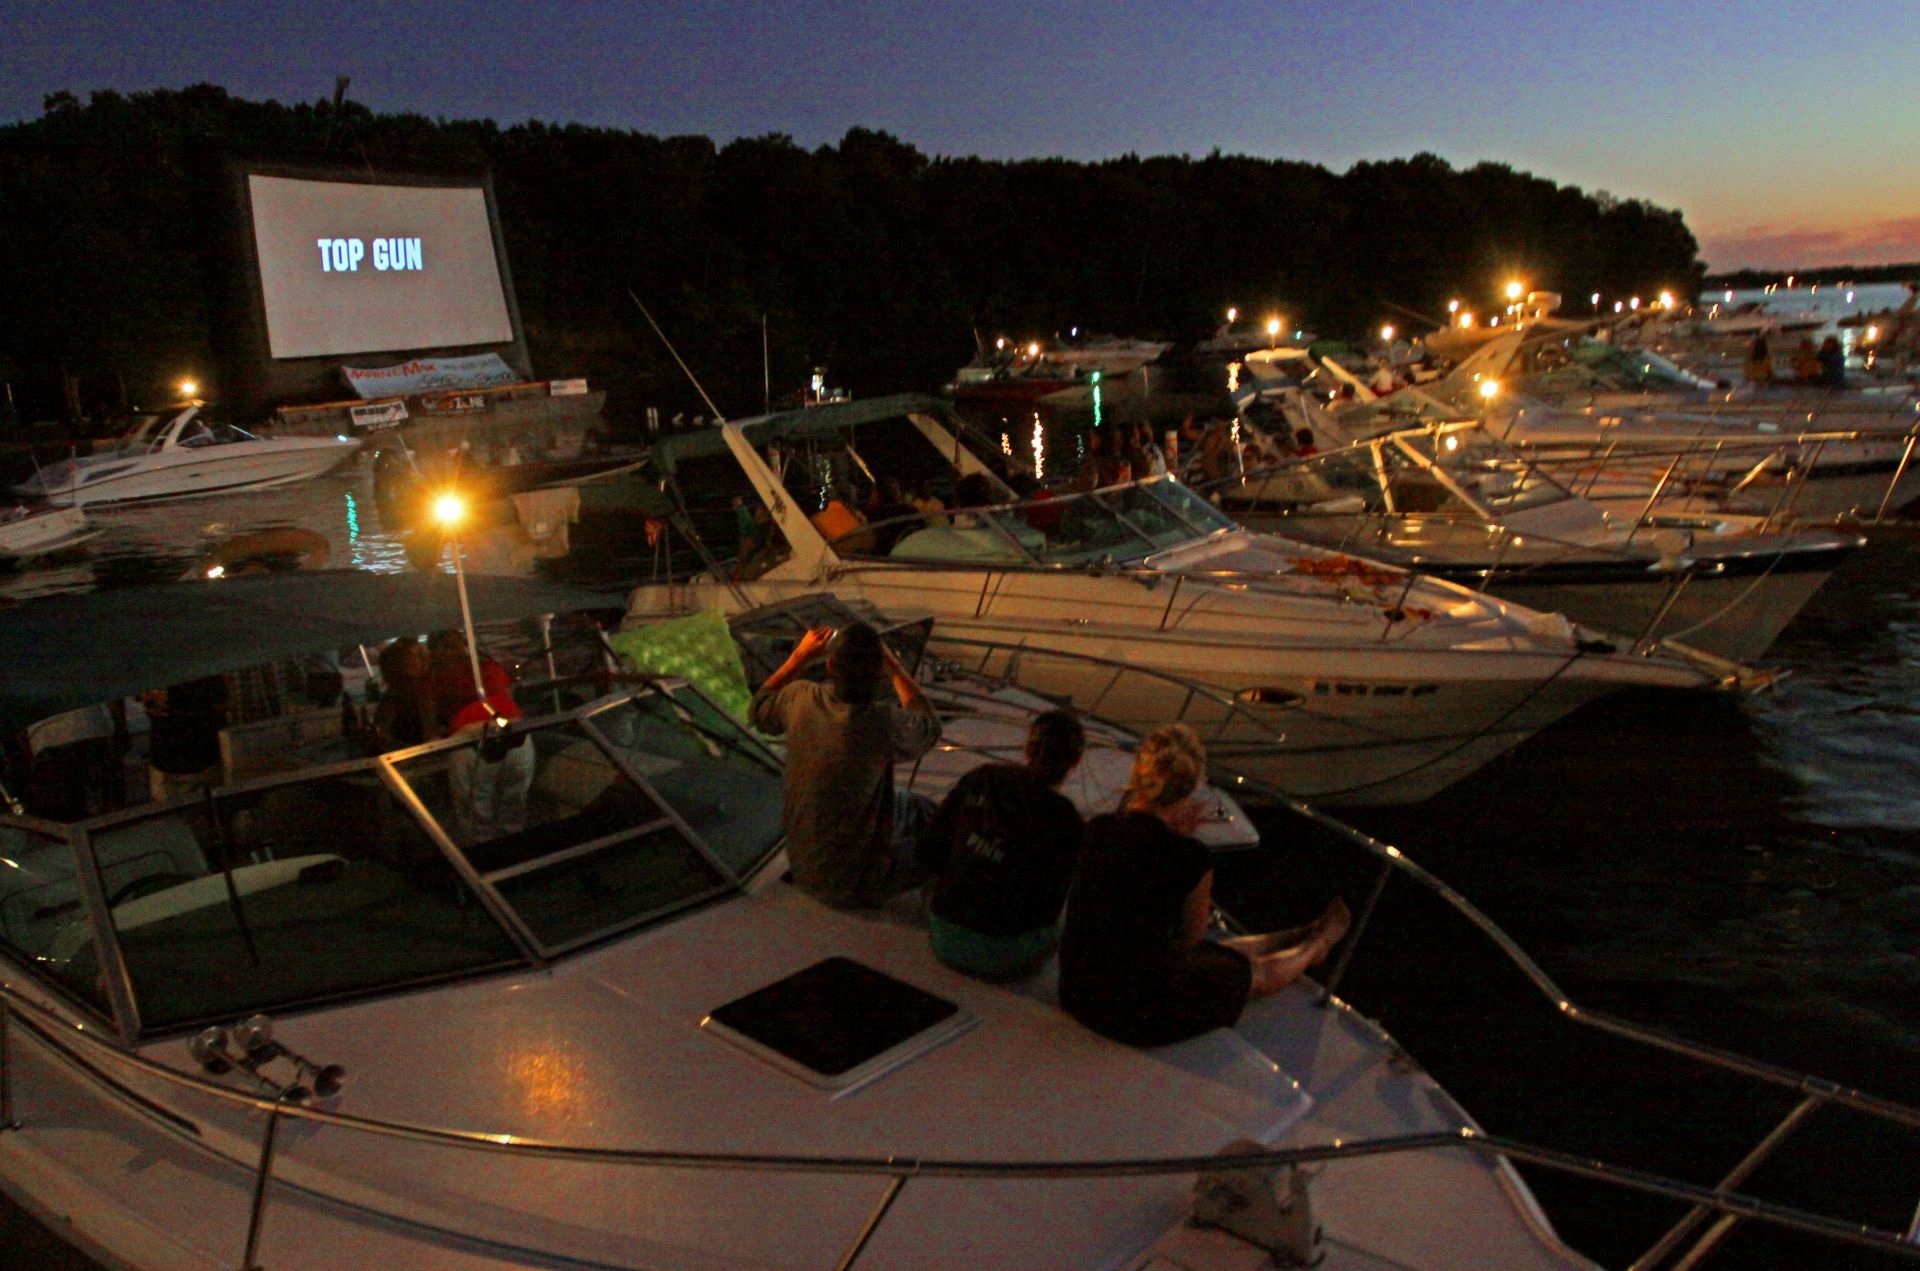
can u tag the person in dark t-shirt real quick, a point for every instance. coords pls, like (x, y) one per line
(183, 744)
(1134, 961)
(1003, 845)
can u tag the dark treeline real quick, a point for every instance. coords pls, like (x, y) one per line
(866, 257)
(1745, 278)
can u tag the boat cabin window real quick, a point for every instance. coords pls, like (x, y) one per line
(563, 835)
(297, 892)
(43, 912)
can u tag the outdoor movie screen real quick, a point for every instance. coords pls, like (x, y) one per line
(351, 268)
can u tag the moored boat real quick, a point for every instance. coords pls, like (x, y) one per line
(307, 1020)
(181, 455)
(1454, 501)
(1381, 685)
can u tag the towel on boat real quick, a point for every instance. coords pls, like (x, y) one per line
(545, 515)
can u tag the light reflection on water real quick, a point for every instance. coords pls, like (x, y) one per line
(154, 542)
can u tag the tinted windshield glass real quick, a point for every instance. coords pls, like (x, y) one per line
(43, 916)
(705, 767)
(334, 889)
(1496, 478)
(559, 830)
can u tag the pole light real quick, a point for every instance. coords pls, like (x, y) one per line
(449, 509)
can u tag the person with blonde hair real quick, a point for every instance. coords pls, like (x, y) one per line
(1135, 963)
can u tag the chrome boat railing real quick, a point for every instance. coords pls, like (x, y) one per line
(92, 1055)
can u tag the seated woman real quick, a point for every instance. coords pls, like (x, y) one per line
(1134, 961)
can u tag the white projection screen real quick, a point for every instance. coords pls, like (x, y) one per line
(353, 268)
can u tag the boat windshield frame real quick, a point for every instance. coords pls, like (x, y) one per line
(1020, 533)
(1533, 488)
(96, 916)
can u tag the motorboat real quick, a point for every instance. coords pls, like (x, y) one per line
(306, 1019)
(1454, 501)
(1814, 456)
(182, 454)
(1026, 373)
(29, 532)
(1380, 685)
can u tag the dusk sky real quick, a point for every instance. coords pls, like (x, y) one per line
(1789, 134)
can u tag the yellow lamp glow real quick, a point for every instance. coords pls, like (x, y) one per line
(1489, 389)
(1453, 306)
(1666, 300)
(1033, 348)
(1515, 290)
(1873, 333)
(449, 509)
(188, 388)
(1233, 315)
(1386, 333)
(1273, 326)
(1466, 319)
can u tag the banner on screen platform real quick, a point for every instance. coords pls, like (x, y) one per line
(430, 375)
(379, 415)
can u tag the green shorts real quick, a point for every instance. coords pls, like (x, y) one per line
(990, 957)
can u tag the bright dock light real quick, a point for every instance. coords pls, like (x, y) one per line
(1634, 303)
(1515, 290)
(1233, 314)
(1033, 349)
(1466, 319)
(1489, 389)
(1453, 306)
(1273, 326)
(1666, 300)
(189, 387)
(1386, 333)
(449, 509)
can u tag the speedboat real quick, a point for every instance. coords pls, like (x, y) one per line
(1026, 373)
(306, 1020)
(29, 532)
(1380, 685)
(1818, 457)
(180, 455)
(1454, 501)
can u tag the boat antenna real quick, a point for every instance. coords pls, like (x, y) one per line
(766, 370)
(717, 416)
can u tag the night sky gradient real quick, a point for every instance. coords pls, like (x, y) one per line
(1789, 134)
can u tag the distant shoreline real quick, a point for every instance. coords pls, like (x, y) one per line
(1740, 279)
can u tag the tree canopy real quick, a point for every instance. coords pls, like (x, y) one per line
(867, 256)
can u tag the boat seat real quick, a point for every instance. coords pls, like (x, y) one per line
(280, 743)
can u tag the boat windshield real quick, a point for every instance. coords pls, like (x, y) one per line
(1495, 480)
(300, 892)
(418, 866)
(201, 434)
(1120, 523)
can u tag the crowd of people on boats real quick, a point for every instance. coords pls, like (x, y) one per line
(1824, 367)
(1009, 874)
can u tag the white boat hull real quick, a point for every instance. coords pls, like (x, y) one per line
(1366, 711)
(40, 533)
(187, 472)
(551, 1056)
